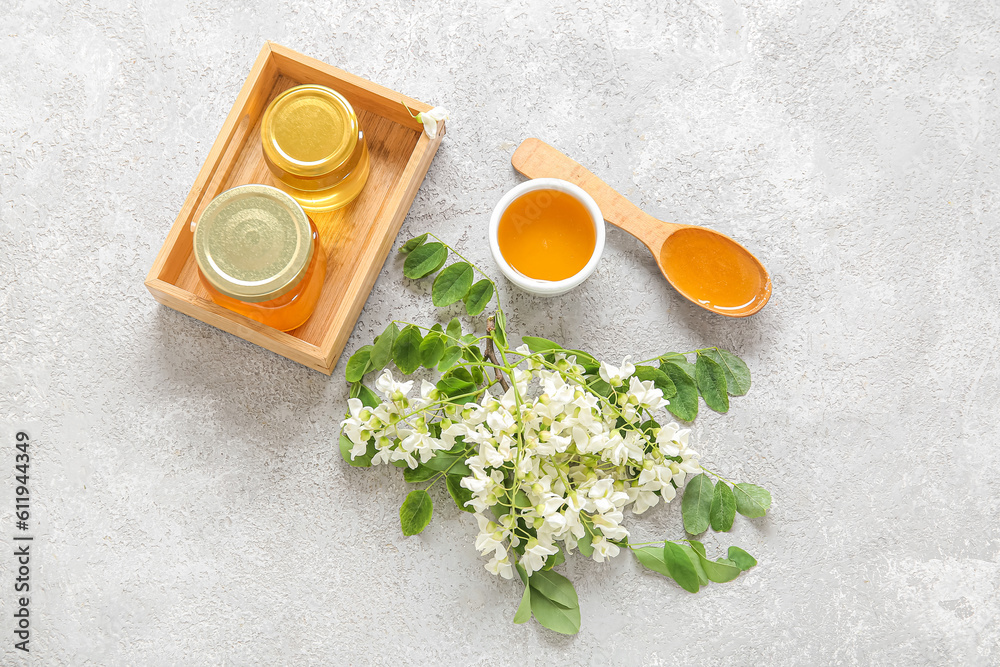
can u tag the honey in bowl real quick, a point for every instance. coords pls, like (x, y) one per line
(546, 235)
(714, 271)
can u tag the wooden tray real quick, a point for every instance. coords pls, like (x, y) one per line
(357, 238)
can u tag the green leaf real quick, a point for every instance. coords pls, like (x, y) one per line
(600, 387)
(555, 587)
(415, 512)
(723, 507)
(521, 500)
(716, 571)
(523, 614)
(659, 378)
(558, 558)
(711, 383)
(368, 397)
(454, 331)
(752, 501)
(683, 404)
(696, 506)
(406, 349)
(737, 373)
(500, 330)
(381, 352)
(475, 355)
(741, 558)
(536, 344)
(419, 474)
(680, 568)
(453, 386)
(412, 244)
(358, 364)
(363, 461)
(696, 562)
(450, 356)
(452, 284)
(680, 360)
(425, 260)
(652, 558)
(431, 350)
(463, 374)
(553, 616)
(478, 297)
(453, 464)
(459, 493)
(585, 544)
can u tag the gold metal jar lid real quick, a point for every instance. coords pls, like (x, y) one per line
(253, 243)
(309, 131)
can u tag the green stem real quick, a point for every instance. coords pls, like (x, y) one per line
(732, 483)
(683, 354)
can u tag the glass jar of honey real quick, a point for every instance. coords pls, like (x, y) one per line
(314, 147)
(259, 254)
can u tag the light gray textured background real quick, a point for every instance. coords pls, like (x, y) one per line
(190, 506)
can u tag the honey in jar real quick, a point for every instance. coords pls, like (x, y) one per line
(313, 145)
(259, 254)
(546, 235)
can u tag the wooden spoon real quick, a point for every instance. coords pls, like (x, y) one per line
(708, 268)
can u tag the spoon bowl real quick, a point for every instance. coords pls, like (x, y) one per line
(705, 266)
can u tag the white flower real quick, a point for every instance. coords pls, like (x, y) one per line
(603, 549)
(645, 394)
(431, 118)
(535, 555)
(622, 448)
(490, 537)
(501, 421)
(615, 375)
(610, 524)
(501, 566)
(672, 439)
(390, 387)
(602, 496)
(643, 501)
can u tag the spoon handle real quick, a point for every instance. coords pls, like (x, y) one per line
(536, 159)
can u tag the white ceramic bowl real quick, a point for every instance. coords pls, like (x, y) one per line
(547, 287)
